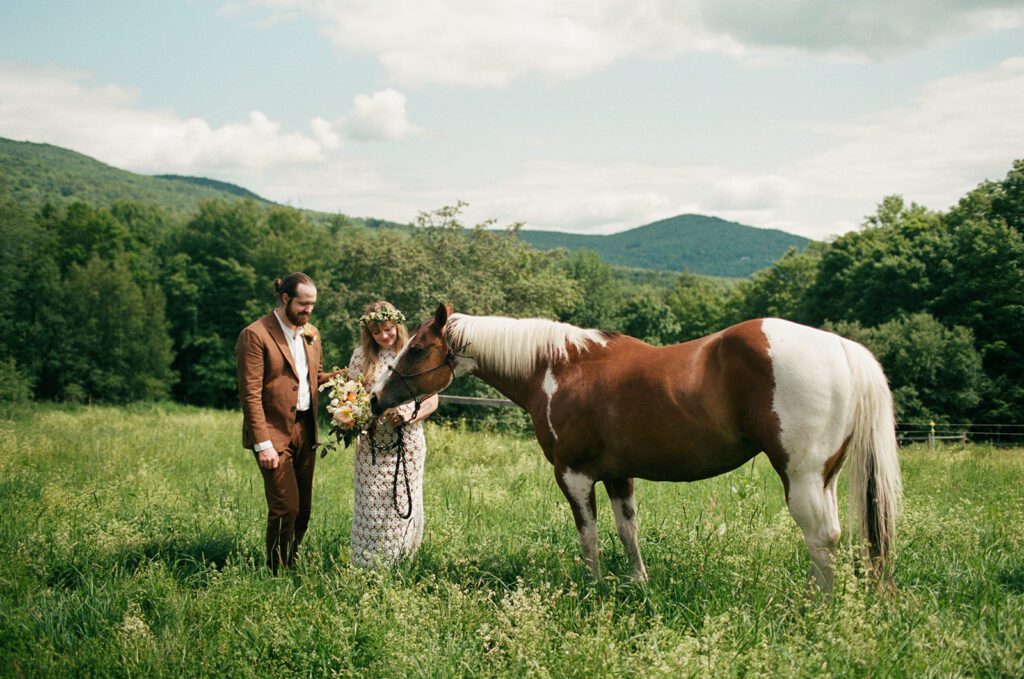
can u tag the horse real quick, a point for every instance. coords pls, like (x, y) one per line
(608, 407)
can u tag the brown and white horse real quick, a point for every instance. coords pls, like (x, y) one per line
(607, 407)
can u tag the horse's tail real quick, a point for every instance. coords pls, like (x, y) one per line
(876, 489)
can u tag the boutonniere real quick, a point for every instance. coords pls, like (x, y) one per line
(308, 334)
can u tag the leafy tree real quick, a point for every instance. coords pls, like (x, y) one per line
(600, 294)
(983, 289)
(935, 372)
(1008, 203)
(883, 271)
(994, 200)
(781, 290)
(15, 385)
(218, 272)
(83, 231)
(29, 271)
(699, 307)
(478, 271)
(647, 316)
(112, 342)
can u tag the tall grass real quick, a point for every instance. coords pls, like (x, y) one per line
(131, 546)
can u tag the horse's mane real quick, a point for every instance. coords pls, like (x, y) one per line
(513, 346)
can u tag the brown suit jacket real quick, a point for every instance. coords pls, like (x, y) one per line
(268, 385)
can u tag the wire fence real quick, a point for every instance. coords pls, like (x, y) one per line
(935, 433)
(490, 412)
(479, 412)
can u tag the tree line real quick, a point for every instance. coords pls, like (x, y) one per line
(129, 302)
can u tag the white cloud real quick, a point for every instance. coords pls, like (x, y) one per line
(751, 193)
(492, 42)
(335, 186)
(958, 131)
(65, 108)
(872, 29)
(324, 132)
(380, 115)
(103, 121)
(590, 197)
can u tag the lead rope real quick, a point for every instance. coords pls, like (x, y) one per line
(400, 463)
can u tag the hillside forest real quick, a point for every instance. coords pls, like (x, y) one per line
(132, 301)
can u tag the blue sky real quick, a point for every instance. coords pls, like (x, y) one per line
(586, 115)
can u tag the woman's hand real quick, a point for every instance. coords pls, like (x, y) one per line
(408, 414)
(394, 417)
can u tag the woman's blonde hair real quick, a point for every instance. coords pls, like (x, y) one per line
(371, 350)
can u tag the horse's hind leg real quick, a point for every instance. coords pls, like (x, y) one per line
(620, 492)
(813, 506)
(579, 490)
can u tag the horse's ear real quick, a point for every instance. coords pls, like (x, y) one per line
(442, 314)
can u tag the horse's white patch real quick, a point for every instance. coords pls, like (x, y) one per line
(384, 374)
(813, 396)
(550, 386)
(580, 486)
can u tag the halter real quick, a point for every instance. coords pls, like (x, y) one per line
(400, 462)
(448, 362)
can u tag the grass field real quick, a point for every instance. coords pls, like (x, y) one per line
(131, 541)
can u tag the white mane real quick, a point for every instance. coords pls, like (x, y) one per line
(513, 346)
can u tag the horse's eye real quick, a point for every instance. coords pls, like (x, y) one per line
(415, 351)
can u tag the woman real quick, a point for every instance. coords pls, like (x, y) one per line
(387, 521)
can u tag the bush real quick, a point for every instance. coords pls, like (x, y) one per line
(935, 372)
(15, 386)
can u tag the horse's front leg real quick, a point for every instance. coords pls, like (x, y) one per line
(579, 490)
(620, 492)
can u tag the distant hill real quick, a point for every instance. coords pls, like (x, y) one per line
(225, 187)
(32, 174)
(696, 243)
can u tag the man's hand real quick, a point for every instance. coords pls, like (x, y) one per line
(268, 458)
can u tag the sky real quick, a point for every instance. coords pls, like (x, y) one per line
(589, 116)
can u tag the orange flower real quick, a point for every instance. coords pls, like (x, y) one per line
(343, 416)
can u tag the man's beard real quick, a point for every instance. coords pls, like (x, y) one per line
(293, 317)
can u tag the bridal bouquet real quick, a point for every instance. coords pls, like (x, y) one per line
(348, 405)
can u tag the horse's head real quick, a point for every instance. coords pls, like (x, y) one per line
(426, 365)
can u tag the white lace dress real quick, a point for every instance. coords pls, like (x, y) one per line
(379, 533)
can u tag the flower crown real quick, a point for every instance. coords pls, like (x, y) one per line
(383, 315)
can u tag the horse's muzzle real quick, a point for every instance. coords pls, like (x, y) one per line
(375, 405)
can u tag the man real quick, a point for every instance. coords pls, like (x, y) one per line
(279, 370)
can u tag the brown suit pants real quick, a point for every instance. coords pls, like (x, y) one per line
(289, 490)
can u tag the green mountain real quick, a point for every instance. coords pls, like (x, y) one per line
(705, 245)
(32, 174)
(215, 184)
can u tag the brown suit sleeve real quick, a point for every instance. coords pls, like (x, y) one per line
(250, 360)
(321, 376)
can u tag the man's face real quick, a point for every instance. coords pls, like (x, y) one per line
(298, 308)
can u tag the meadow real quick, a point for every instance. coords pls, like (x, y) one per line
(132, 546)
